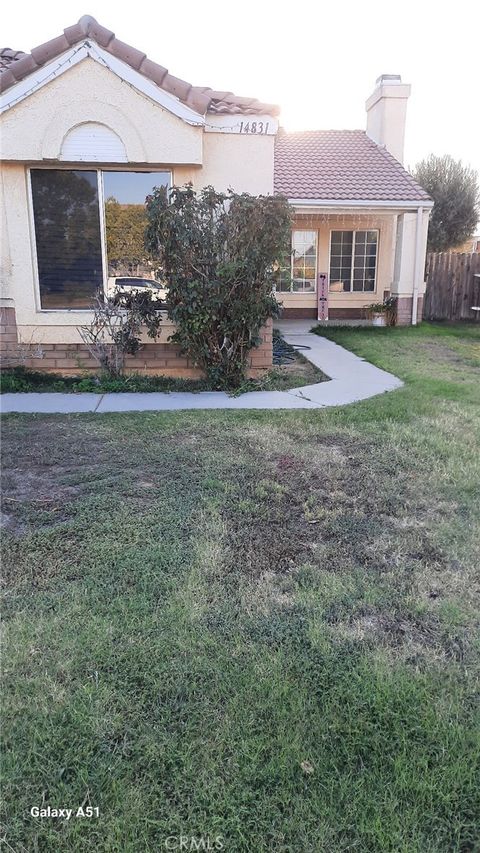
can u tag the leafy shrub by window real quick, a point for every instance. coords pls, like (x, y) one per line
(115, 330)
(221, 255)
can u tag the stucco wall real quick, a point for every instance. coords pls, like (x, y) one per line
(32, 133)
(244, 163)
(404, 267)
(386, 116)
(34, 129)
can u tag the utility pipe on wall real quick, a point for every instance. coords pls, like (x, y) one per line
(417, 264)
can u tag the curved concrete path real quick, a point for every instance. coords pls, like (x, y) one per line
(351, 379)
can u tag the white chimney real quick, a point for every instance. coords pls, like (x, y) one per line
(387, 112)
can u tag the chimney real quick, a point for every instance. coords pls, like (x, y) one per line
(387, 112)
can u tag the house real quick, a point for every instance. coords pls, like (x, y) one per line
(90, 125)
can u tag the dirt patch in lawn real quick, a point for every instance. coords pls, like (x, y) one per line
(300, 366)
(34, 497)
(333, 509)
(45, 469)
(40, 485)
(441, 352)
(401, 635)
(10, 524)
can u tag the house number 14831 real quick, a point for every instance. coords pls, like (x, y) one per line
(257, 127)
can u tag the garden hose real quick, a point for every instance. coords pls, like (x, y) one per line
(284, 353)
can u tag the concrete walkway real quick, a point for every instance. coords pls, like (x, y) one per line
(351, 379)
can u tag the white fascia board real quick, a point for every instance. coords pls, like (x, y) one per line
(89, 48)
(355, 203)
(39, 78)
(241, 123)
(147, 87)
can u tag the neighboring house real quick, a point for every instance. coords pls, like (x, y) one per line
(90, 125)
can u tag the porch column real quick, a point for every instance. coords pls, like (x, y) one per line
(419, 260)
(409, 265)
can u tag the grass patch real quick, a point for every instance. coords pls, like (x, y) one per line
(259, 625)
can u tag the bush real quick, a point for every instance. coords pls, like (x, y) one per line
(116, 328)
(221, 255)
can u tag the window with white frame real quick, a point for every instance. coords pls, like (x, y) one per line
(353, 261)
(89, 227)
(302, 276)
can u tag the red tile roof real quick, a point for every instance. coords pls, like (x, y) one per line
(15, 65)
(340, 165)
(7, 56)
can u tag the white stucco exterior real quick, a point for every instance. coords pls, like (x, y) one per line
(34, 129)
(138, 126)
(387, 114)
(36, 132)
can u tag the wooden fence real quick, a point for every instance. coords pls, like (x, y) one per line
(453, 286)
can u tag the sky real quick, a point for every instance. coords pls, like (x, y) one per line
(318, 61)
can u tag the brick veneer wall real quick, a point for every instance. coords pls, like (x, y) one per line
(404, 310)
(152, 359)
(299, 313)
(8, 334)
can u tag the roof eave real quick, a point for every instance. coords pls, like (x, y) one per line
(367, 204)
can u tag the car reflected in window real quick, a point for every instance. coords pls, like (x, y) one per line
(128, 284)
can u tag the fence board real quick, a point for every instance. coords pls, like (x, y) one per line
(453, 286)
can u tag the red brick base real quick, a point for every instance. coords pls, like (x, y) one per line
(298, 313)
(404, 310)
(152, 359)
(346, 314)
(8, 336)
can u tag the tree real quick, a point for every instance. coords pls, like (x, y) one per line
(125, 228)
(455, 191)
(221, 254)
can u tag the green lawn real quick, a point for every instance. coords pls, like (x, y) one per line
(255, 625)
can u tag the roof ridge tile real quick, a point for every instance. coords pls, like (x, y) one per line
(201, 99)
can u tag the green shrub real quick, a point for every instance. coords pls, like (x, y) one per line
(221, 254)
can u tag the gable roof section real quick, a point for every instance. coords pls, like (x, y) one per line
(340, 165)
(16, 65)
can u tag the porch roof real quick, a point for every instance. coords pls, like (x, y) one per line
(341, 166)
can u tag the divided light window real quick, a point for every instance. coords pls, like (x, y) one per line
(302, 276)
(71, 209)
(353, 260)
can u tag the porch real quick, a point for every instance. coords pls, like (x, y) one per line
(343, 261)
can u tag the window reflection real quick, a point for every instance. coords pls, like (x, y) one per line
(70, 256)
(67, 231)
(125, 221)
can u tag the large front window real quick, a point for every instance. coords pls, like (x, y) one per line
(353, 260)
(89, 227)
(302, 276)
